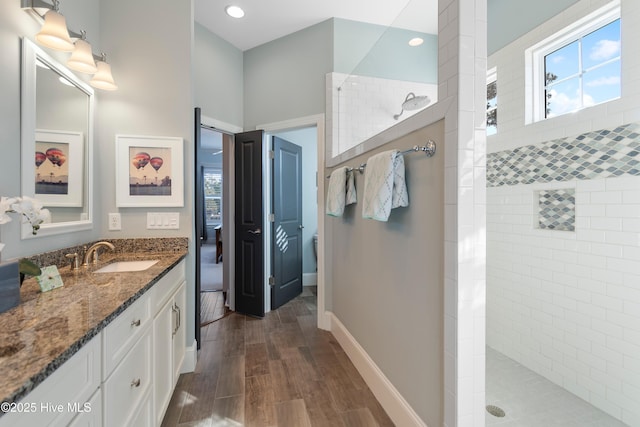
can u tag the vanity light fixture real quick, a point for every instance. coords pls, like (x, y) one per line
(234, 11)
(417, 41)
(82, 58)
(54, 33)
(103, 79)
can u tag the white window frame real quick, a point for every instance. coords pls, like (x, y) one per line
(213, 171)
(492, 76)
(536, 101)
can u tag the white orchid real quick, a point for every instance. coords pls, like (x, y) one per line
(31, 209)
(5, 207)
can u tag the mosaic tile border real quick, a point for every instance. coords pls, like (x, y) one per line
(600, 154)
(557, 210)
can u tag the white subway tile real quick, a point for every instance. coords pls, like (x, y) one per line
(602, 223)
(631, 224)
(589, 359)
(623, 183)
(589, 185)
(606, 197)
(590, 235)
(608, 328)
(607, 276)
(589, 210)
(623, 265)
(623, 320)
(607, 250)
(606, 354)
(608, 303)
(623, 211)
(625, 293)
(622, 238)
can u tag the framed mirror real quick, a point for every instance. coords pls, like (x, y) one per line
(56, 142)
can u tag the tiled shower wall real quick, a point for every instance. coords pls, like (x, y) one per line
(362, 106)
(563, 278)
(566, 303)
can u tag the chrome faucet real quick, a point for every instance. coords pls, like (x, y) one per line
(91, 255)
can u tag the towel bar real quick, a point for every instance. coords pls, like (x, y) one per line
(429, 149)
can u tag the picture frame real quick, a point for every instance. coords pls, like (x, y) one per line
(149, 171)
(59, 168)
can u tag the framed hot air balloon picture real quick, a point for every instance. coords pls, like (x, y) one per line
(59, 160)
(149, 171)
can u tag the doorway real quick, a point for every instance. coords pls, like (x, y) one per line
(213, 289)
(313, 267)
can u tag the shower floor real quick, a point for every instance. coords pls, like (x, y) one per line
(530, 400)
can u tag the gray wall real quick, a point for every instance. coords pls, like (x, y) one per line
(285, 78)
(218, 75)
(152, 67)
(388, 279)
(15, 24)
(307, 139)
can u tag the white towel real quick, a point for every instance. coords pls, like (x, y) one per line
(336, 192)
(384, 185)
(351, 188)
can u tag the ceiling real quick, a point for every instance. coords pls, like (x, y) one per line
(265, 21)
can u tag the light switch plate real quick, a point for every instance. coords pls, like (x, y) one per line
(115, 222)
(163, 220)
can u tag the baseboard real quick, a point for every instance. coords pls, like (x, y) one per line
(398, 409)
(309, 279)
(190, 358)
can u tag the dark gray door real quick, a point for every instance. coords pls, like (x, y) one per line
(199, 222)
(249, 252)
(287, 225)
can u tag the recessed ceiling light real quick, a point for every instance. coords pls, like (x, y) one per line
(416, 42)
(234, 11)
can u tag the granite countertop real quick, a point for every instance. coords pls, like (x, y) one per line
(46, 329)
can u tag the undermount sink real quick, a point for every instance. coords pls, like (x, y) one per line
(125, 266)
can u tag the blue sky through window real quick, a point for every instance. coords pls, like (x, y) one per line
(587, 71)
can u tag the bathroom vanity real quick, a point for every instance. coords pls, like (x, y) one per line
(104, 350)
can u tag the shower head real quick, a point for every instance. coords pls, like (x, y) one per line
(413, 102)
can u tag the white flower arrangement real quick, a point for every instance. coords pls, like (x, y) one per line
(31, 209)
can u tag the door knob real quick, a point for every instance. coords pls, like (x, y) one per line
(256, 231)
(300, 227)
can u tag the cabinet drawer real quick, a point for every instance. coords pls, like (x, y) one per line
(129, 384)
(167, 286)
(92, 415)
(123, 333)
(55, 400)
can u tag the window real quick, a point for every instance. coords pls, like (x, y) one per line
(213, 196)
(578, 67)
(492, 102)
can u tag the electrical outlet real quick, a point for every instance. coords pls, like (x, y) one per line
(115, 222)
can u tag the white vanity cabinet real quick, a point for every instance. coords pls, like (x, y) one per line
(125, 375)
(168, 338)
(61, 397)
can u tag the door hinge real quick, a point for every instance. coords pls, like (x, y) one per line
(272, 154)
(272, 217)
(272, 281)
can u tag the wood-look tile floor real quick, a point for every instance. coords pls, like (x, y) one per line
(277, 371)
(212, 307)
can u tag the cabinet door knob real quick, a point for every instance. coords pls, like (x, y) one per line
(135, 383)
(135, 323)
